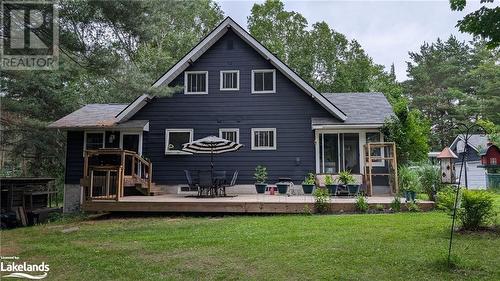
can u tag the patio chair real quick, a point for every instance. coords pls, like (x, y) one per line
(206, 185)
(191, 183)
(232, 183)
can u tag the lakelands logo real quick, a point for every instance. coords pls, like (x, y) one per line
(30, 35)
(24, 270)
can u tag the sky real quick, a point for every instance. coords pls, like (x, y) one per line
(387, 30)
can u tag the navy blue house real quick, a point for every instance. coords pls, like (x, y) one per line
(232, 87)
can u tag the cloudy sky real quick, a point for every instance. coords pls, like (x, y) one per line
(387, 30)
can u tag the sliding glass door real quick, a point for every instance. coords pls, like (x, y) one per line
(339, 152)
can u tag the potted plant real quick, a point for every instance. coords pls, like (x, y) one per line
(330, 185)
(260, 177)
(282, 187)
(408, 182)
(348, 180)
(308, 184)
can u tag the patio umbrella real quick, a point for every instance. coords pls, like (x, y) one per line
(211, 145)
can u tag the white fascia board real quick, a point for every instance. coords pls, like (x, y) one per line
(353, 126)
(132, 108)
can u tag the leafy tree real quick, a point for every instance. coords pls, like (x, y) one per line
(410, 131)
(111, 51)
(484, 22)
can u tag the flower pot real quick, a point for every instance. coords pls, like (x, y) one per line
(282, 187)
(260, 187)
(332, 188)
(353, 188)
(307, 188)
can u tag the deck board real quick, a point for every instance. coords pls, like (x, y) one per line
(239, 204)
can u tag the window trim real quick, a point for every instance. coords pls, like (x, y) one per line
(177, 152)
(103, 133)
(237, 130)
(222, 72)
(377, 163)
(253, 130)
(186, 73)
(263, 71)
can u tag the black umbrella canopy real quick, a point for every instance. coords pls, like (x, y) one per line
(211, 145)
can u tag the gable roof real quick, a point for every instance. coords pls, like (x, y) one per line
(371, 109)
(476, 141)
(216, 34)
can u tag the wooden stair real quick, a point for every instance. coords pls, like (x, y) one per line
(142, 186)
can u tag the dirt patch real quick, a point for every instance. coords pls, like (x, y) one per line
(483, 230)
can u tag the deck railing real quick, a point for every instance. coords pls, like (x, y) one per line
(107, 171)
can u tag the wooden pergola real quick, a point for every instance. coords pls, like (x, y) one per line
(390, 169)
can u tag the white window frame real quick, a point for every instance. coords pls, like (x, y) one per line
(377, 163)
(186, 82)
(265, 71)
(122, 133)
(177, 152)
(236, 130)
(103, 133)
(263, 129)
(222, 72)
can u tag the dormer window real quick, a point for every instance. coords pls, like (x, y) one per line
(196, 82)
(263, 81)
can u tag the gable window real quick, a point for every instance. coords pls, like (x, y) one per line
(263, 138)
(230, 135)
(376, 152)
(94, 140)
(175, 138)
(230, 80)
(264, 81)
(196, 82)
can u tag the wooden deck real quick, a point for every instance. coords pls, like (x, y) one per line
(172, 203)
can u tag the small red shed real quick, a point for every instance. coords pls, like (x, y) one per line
(491, 156)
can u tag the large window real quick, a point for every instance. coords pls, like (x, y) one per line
(94, 140)
(264, 81)
(196, 82)
(372, 137)
(229, 80)
(175, 138)
(339, 152)
(230, 134)
(263, 139)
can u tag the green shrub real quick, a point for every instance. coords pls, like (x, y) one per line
(423, 197)
(260, 174)
(328, 180)
(345, 177)
(321, 200)
(445, 199)
(408, 179)
(430, 179)
(379, 207)
(476, 209)
(361, 204)
(413, 207)
(309, 179)
(396, 204)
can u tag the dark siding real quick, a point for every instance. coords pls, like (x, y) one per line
(472, 155)
(74, 157)
(289, 110)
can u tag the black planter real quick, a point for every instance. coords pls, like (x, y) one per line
(282, 187)
(353, 188)
(332, 188)
(410, 195)
(307, 188)
(260, 187)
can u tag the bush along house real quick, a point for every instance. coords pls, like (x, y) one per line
(234, 88)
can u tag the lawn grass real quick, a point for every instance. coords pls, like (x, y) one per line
(403, 246)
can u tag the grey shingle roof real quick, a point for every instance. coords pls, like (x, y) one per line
(90, 116)
(478, 142)
(360, 108)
